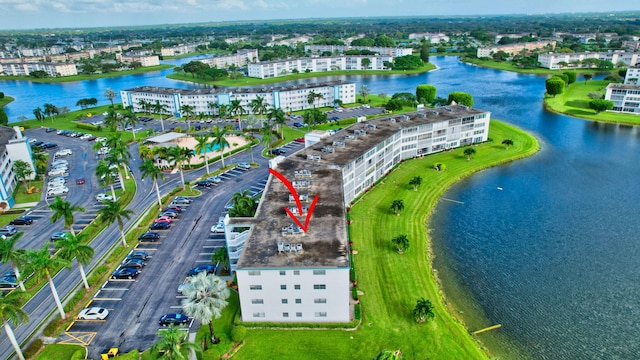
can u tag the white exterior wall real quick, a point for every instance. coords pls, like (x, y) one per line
(626, 98)
(632, 76)
(264, 70)
(340, 49)
(52, 69)
(147, 60)
(551, 60)
(239, 59)
(309, 298)
(513, 49)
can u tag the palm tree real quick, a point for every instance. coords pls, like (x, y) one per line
(221, 256)
(278, 116)
(223, 111)
(110, 94)
(72, 247)
(172, 343)
(311, 98)
(43, 264)
(243, 204)
(267, 136)
(249, 138)
(103, 173)
(24, 173)
(397, 206)
(423, 311)
(114, 211)
(238, 110)
(188, 113)
(401, 242)
(507, 143)
(201, 148)
(115, 162)
(11, 312)
(112, 119)
(415, 182)
(40, 160)
(50, 110)
(149, 169)
(130, 119)
(37, 112)
(160, 109)
(213, 106)
(9, 254)
(176, 156)
(469, 152)
(206, 297)
(143, 104)
(258, 106)
(64, 209)
(219, 140)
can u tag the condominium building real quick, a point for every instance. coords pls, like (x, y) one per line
(270, 69)
(513, 49)
(13, 146)
(181, 49)
(24, 69)
(240, 59)
(144, 60)
(568, 60)
(288, 98)
(632, 76)
(341, 49)
(625, 97)
(434, 38)
(287, 274)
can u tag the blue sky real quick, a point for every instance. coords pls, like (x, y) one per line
(38, 14)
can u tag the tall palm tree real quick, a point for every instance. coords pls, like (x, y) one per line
(112, 119)
(249, 138)
(176, 156)
(201, 148)
(213, 106)
(72, 247)
(221, 256)
(219, 140)
(279, 118)
(267, 136)
(64, 209)
(50, 110)
(40, 160)
(103, 172)
(397, 206)
(149, 169)
(173, 341)
(130, 119)
(160, 109)
(238, 110)
(43, 264)
(188, 113)
(143, 104)
(206, 297)
(244, 205)
(115, 162)
(11, 312)
(37, 112)
(223, 111)
(114, 211)
(16, 257)
(257, 105)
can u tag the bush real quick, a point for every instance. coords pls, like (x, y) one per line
(357, 312)
(85, 126)
(352, 275)
(79, 295)
(52, 327)
(461, 98)
(354, 293)
(439, 166)
(595, 95)
(33, 348)
(78, 355)
(238, 333)
(426, 92)
(571, 76)
(1, 95)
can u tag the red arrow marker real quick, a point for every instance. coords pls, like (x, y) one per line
(293, 192)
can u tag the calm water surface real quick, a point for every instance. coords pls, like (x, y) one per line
(553, 257)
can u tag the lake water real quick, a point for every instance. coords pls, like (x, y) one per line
(553, 257)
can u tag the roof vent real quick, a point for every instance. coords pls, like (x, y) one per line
(328, 149)
(351, 137)
(359, 132)
(339, 143)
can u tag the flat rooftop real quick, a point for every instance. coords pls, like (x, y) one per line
(205, 91)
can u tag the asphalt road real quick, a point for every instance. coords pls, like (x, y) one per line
(41, 306)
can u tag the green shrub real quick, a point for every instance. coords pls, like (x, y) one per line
(33, 348)
(79, 295)
(352, 275)
(78, 355)
(354, 292)
(52, 327)
(97, 274)
(85, 126)
(357, 312)
(238, 333)
(131, 355)
(1, 95)
(440, 166)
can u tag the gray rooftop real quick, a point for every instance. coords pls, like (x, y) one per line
(204, 91)
(6, 134)
(623, 86)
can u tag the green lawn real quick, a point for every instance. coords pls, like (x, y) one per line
(391, 282)
(247, 81)
(82, 77)
(60, 352)
(575, 102)
(508, 66)
(20, 196)
(5, 100)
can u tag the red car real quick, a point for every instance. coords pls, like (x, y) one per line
(163, 219)
(80, 181)
(300, 140)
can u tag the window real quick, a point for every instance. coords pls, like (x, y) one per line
(285, 301)
(257, 301)
(296, 272)
(297, 287)
(254, 273)
(283, 287)
(320, 301)
(282, 272)
(319, 272)
(255, 287)
(298, 301)
(298, 314)
(285, 314)
(320, 314)
(258, 314)
(319, 287)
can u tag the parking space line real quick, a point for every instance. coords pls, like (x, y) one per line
(176, 306)
(115, 289)
(107, 299)
(203, 261)
(210, 247)
(206, 254)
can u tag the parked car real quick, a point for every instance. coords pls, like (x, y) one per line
(300, 140)
(149, 236)
(217, 228)
(138, 254)
(244, 165)
(4, 284)
(63, 152)
(183, 201)
(210, 269)
(203, 183)
(278, 151)
(58, 172)
(22, 220)
(160, 226)
(215, 179)
(60, 162)
(125, 273)
(80, 181)
(57, 191)
(334, 118)
(163, 219)
(8, 230)
(59, 236)
(176, 319)
(85, 136)
(104, 197)
(133, 263)
(103, 151)
(49, 145)
(50, 130)
(298, 124)
(171, 214)
(93, 313)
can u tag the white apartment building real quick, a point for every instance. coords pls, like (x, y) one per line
(632, 76)
(145, 60)
(24, 69)
(180, 49)
(552, 60)
(288, 98)
(240, 59)
(13, 146)
(276, 68)
(625, 97)
(513, 49)
(340, 49)
(291, 41)
(434, 38)
(289, 275)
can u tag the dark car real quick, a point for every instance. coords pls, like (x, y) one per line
(298, 124)
(138, 254)
(49, 145)
(133, 263)
(160, 226)
(176, 319)
(125, 273)
(334, 118)
(204, 183)
(22, 220)
(4, 284)
(51, 130)
(149, 236)
(175, 208)
(210, 269)
(37, 144)
(278, 151)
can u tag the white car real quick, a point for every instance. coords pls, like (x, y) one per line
(58, 178)
(104, 197)
(55, 184)
(93, 313)
(63, 152)
(85, 136)
(244, 165)
(59, 162)
(101, 140)
(57, 191)
(103, 151)
(57, 172)
(215, 179)
(217, 228)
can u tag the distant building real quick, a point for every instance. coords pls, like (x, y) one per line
(13, 147)
(514, 49)
(553, 60)
(276, 68)
(145, 60)
(434, 38)
(52, 69)
(181, 49)
(240, 59)
(288, 98)
(625, 97)
(341, 49)
(632, 77)
(288, 275)
(512, 36)
(291, 41)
